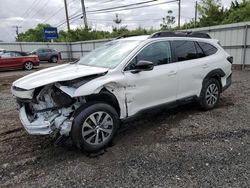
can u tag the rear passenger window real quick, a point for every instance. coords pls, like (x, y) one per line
(200, 52)
(208, 49)
(184, 50)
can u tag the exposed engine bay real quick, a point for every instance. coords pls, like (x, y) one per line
(48, 111)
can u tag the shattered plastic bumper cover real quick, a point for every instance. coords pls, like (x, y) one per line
(34, 128)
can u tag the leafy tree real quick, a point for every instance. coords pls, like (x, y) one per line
(168, 21)
(81, 34)
(33, 35)
(188, 25)
(238, 12)
(117, 21)
(211, 13)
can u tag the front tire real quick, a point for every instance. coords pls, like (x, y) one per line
(28, 65)
(210, 94)
(94, 127)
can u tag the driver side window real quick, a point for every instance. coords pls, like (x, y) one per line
(158, 53)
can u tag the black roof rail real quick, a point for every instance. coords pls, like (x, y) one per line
(180, 34)
(126, 36)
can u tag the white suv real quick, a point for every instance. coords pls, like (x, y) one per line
(88, 99)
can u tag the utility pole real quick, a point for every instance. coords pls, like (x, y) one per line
(17, 30)
(67, 15)
(196, 10)
(84, 15)
(179, 14)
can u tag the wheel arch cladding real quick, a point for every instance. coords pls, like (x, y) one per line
(217, 74)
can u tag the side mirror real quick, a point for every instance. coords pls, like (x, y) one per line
(143, 66)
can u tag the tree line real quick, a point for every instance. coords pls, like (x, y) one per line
(211, 12)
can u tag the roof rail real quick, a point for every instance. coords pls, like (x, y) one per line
(126, 36)
(180, 34)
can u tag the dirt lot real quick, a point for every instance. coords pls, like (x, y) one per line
(183, 147)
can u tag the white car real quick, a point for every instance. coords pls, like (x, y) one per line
(88, 99)
(2, 51)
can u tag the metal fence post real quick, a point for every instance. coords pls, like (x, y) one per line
(81, 49)
(21, 48)
(245, 47)
(70, 51)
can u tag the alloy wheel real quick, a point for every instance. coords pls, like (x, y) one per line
(212, 94)
(54, 59)
(97, 128)
(28, 65)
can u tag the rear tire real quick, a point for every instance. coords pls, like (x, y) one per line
(28, 65)
(94, 127)
(210, 94)
(54, 59)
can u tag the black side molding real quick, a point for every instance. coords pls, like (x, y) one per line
(214, 73)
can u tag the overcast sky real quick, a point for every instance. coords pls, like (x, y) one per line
(28, 13)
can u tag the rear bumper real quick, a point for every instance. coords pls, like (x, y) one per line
(228, 82)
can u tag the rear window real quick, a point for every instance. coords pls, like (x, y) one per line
(184, 50)
(208, 49)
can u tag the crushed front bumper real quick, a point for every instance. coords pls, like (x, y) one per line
(38, 127)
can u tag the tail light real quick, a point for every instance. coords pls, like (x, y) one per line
(230, 59)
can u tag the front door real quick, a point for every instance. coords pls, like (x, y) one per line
(8, 60)
(151, 88)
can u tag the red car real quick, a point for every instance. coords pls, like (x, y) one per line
(17, 60)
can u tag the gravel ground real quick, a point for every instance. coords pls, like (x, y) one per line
(183, 147)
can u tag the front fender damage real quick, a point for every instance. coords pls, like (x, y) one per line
(50, 109)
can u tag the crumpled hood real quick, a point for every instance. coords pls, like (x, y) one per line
(55, 74)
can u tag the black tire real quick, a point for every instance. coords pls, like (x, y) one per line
(204, 101)
(83, 142)
(28, 65)
(53, 59)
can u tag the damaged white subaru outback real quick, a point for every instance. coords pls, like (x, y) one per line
(86, 100)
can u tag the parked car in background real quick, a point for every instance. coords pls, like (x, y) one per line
(47, 54)
(2, 51)
(17, 60)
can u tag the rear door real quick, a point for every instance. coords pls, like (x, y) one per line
(191, 68)
(44, 54)
(47, 54)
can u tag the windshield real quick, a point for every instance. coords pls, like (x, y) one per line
(109, 55)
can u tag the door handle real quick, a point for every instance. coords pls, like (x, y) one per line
(205, 66)
(171, 73)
